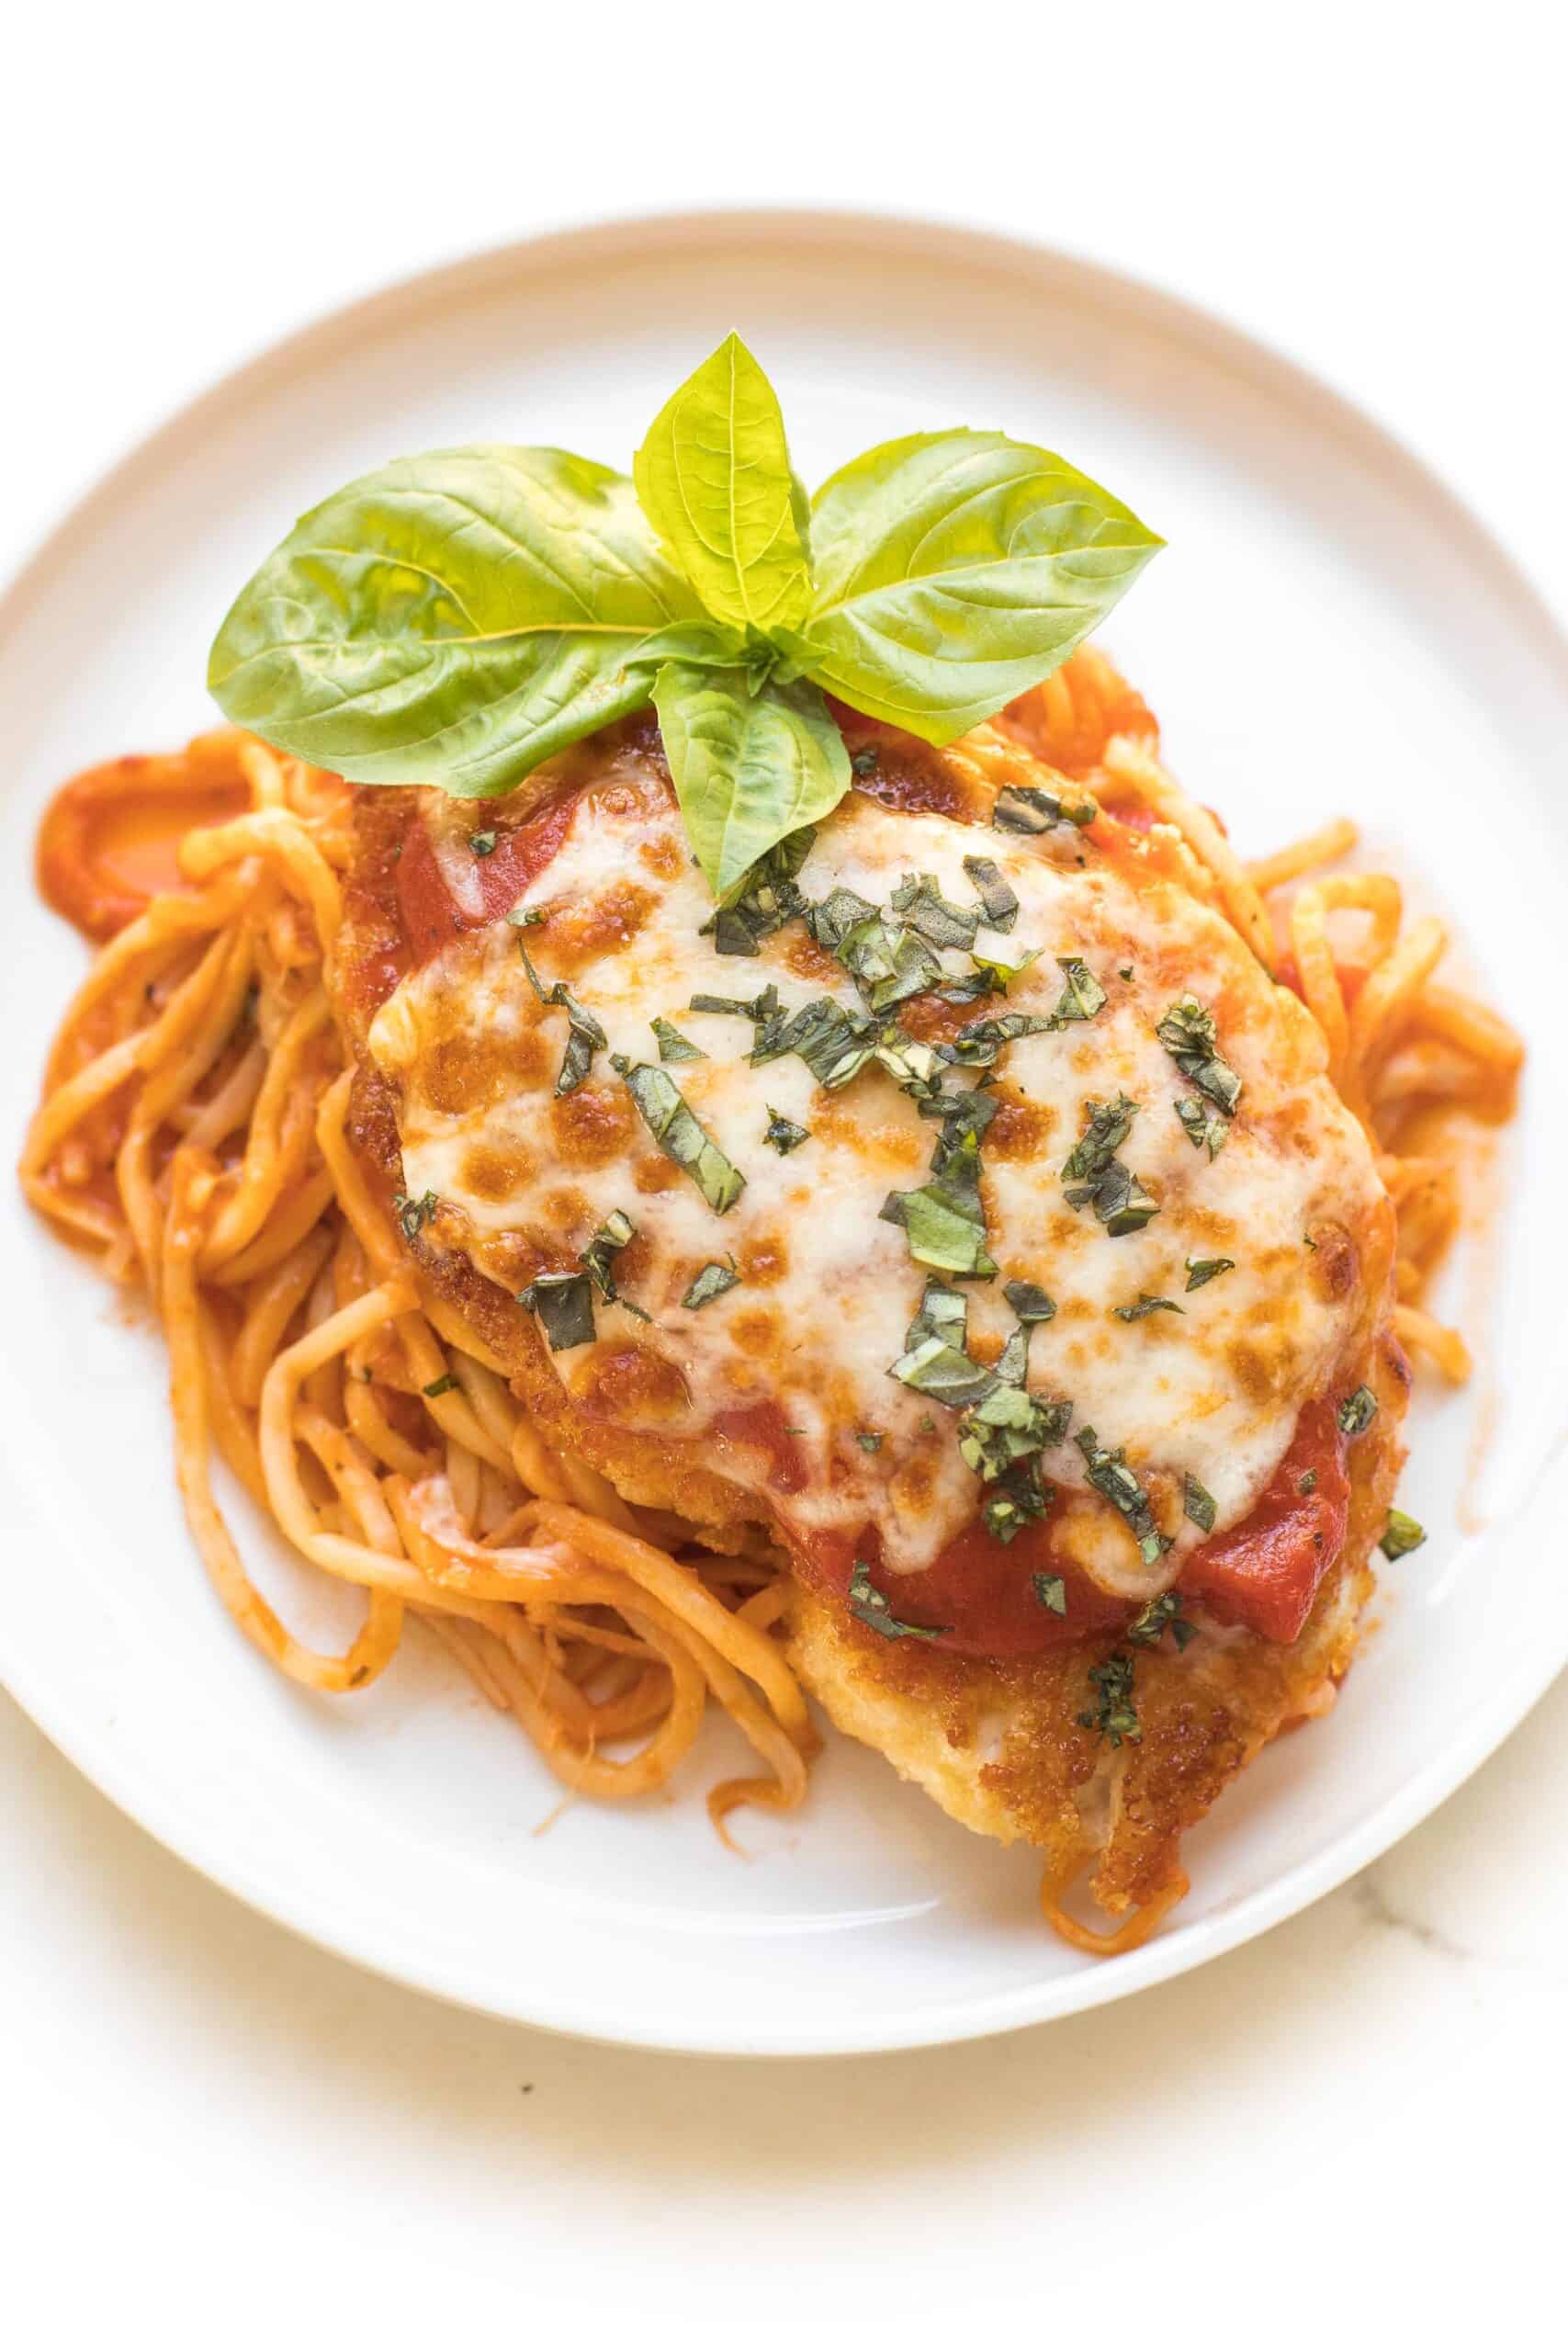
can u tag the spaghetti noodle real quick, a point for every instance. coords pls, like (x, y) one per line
(191, 1133)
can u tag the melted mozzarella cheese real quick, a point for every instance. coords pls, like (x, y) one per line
(828, 1288)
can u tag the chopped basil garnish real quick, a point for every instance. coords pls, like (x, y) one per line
(564, 1305)
(1029, 1302)
(1124, 971)
(832, 918)
(1188, 1035)
(1206, 1131)
(1307, 1483)
(887, 961)
(1402, 1534)
(1199, 1504)
(945, 1219)
(1144, 1305)
(1082, 996)
(411, 1215)
(1108, 1473)
(871, 1606)
(1030, 809)
(978, 1042)
(1113, 1717)
(673, 1046)
(1092, 1175)
(869, 1441)
(834, 1044)
(768, 899)
(784, 1134)
(1017, 1498)
(1357, 1412)
(997, 894)
(1006, 1426)
(712, 1283)
(610, 1239)
(481, 843)
(1206, 1269)
(1150, 1623)
(584, 1036)
(934, 1362)
(919, 900)
(1050, 1592)
(680, 1135)
(525, 918)
(442, 1387)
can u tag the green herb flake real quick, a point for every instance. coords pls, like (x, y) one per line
(1093, 1176)
(596, 1260)
(1187, 1031)
(1307, 1483)
(869, 1441)
(1151, 1622)
(863, 762)
(481, 843)
(1030, 809)
(1206, 1130)
(1357, 1412)
(442, 1387)
(1015, 1499)
(1207, 1270)
(1199, 1504)
(1113, 1715)
(1029, 1302)
(1144, 1306)
(564, 1305)
(525, 917)
(1108, 1473)
(871, 1606)
(1050, 1592)
(945, 1219)
(996, 894)
(711, 1282)
(680, 1135)
(584, 1036)
(673, 1046)
(784, 1134)
(1402, 1534)
(941, 923)
(1082, 996)
(1124, 971)
(411, 1215)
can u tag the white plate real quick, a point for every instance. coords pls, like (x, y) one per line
(1328, 630)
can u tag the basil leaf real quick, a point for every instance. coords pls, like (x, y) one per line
(452, 620)
(1008, 1425)
(1402, 1534)
(1206, 1130)
(1029, 1302)
(784, 1134)
(871, 1606)
(673, 1046)
(954, 570)
(978, 1042)
(448, 1381)
(715, 479)
(1357, 1412)
(1050, 1592)
(1113, 1715)
(869, 1441)
(1199, 1504)
(1082, 996)
(564, 1305)
(605, 1245)
(1189, 1034)
(1142, 1305)
(680, 1135)
(919, 900)
(945, 1219)
(711, 1282)
(887, 961)
(1108, 1473)
(747, 768)
(1032, 809)
(1152, 1619)
(584, 1036)
(1207, 1270)
(412, 1214)
(1012, 1502)
(998, 896)
(770, 898)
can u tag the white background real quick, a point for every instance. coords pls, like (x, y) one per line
(207, 2128)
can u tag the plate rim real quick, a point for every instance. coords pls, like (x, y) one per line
(1264, 362)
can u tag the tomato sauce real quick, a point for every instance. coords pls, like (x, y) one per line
(110, 840)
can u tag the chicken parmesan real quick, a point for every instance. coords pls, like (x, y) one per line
(706, 1121)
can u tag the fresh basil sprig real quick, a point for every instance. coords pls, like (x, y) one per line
(455, 619)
